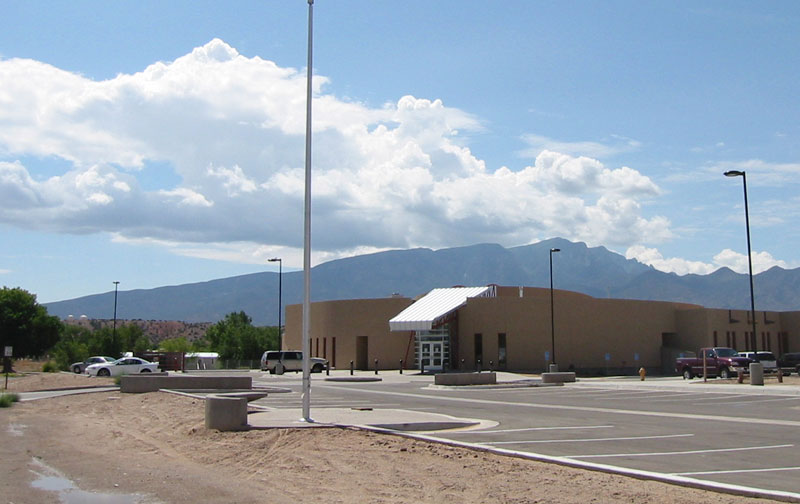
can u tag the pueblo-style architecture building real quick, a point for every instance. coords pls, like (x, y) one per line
(510, 328)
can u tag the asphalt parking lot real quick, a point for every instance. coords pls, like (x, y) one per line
(735, 436)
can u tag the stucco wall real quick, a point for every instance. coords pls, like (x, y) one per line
(345, 321)
(586, 330)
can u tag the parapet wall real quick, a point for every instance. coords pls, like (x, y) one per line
(155, 381)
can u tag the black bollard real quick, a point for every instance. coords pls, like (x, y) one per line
(328, 368)
(479, 365)
(401, 366)
(376, 366)
(351, 368)
(491, 366)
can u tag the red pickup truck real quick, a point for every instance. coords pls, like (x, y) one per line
(720, 361)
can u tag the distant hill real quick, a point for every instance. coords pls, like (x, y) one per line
(595, 271)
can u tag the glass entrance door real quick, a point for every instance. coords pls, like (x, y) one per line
(432, 352)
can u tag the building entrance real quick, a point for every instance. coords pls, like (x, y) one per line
(432, 351)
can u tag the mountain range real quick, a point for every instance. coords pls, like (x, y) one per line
(595, 271)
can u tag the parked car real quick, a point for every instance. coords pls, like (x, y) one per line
(790, 362)
(767, 359)
(126, 365)
(719, 361)
(80, 367)
(291, 360)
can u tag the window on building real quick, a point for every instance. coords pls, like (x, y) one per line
(733, 339)
(478, 348)
(715, 338)
(333, 351)
(324, 348)
(728, 339)
(501, 350)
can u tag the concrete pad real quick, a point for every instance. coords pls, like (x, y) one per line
(465, 378)
(354, 379)
(389, 419)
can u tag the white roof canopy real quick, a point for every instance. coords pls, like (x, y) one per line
(434, 306)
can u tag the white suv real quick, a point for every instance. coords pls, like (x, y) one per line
(290, 360)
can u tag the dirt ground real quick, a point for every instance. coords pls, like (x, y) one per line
(156, 445)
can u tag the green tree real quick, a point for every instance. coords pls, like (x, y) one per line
(133, 339)
(180, 344)
(235, 337)
(72, 346)
(25, 324)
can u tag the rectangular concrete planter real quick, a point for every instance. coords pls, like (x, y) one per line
(465, 379)
(559, 377)
(155, 381)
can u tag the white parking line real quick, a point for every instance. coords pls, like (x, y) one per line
(536, 429)
(689, 452)
(734, 471)
(564, 407)
(588, 440)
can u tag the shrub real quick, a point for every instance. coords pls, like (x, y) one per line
(50, 367)
(7, 399)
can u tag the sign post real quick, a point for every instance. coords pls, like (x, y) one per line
(7, 353)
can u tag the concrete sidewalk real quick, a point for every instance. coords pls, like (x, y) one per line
(391, 419)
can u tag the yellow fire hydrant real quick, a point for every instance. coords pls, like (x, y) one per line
(642, 372)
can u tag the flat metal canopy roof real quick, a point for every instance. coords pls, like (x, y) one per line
(438, 303)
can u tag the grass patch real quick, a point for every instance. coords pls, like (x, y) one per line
(6, 400)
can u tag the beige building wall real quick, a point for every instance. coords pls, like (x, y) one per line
(587, 330)
(631, 333)
(339, 327)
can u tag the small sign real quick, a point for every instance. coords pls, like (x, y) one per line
(547, 356)
(636, 357)
(608, 357)
(8, 351)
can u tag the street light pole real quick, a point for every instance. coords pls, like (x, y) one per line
(754, 377)
(280, 290)
(114, 330)
(552, 314)
(306, 390)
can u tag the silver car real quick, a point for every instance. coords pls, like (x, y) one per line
(80, 367)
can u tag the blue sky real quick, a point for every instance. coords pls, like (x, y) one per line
(160, 143)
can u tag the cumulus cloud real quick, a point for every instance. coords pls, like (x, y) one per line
(762, 261)
(614, 145)
(230, 130)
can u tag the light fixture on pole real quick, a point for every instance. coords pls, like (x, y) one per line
(552, 315)
(280, 290)
(753, 378)
(114, 329)
(306, 390)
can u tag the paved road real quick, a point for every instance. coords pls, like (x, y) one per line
(727, 434)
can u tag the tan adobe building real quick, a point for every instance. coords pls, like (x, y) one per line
(510, 328)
